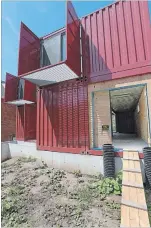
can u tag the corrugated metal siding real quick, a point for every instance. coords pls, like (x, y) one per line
(29, 51)
(20, 123)
(119, 40)
(63, 117)
(85, 51)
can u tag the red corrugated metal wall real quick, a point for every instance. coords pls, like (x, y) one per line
(85, 52)
(62, 117)
(119, 40)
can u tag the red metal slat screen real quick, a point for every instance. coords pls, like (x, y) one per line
(11, 87)
(62, 123)
(29, 51)
(73, 39)
(26, 117)
(119, 40)
(30, 91)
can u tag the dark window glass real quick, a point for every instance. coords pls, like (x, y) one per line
(21, 89)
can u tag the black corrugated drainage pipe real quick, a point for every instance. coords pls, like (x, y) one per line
(108, 160)
(147, 163)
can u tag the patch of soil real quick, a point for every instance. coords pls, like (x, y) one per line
(148, 200)
(34, 195)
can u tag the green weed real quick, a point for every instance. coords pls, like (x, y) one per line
(113, 205)
(10, 212)
(27, 159)
(16, 190)
(109, 186)
(77, 173)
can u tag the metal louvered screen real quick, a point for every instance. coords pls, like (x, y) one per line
(29, 51)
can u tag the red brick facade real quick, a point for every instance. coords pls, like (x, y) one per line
(8, 121)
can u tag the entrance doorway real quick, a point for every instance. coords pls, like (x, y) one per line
(130, 129)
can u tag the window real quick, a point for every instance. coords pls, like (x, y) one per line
(63, 47)
(21, 89)
(53, 50)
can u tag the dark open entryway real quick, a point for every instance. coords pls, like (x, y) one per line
(129, 117)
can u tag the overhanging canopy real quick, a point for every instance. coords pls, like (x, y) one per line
(53, 74)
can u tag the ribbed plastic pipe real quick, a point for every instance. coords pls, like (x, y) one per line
(147, 163)
(108, 160)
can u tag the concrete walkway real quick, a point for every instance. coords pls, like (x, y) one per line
(128, 142)
(133, 206)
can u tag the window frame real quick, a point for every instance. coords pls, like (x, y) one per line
(61, 46)
(60, 34)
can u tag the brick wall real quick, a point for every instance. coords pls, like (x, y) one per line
(102, 116)
(141, 117)
(8, 121)
(96, 88)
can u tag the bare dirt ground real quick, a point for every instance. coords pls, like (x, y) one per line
(148, 200)
(34, 195)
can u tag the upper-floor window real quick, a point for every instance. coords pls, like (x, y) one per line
(63, 46)
(21, 86)
(53, 50)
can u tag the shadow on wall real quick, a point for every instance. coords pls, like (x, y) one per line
(93, 62)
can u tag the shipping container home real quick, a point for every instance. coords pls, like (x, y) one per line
(86, 84)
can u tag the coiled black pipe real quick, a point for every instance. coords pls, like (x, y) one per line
(108, 160)
(147, 163)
